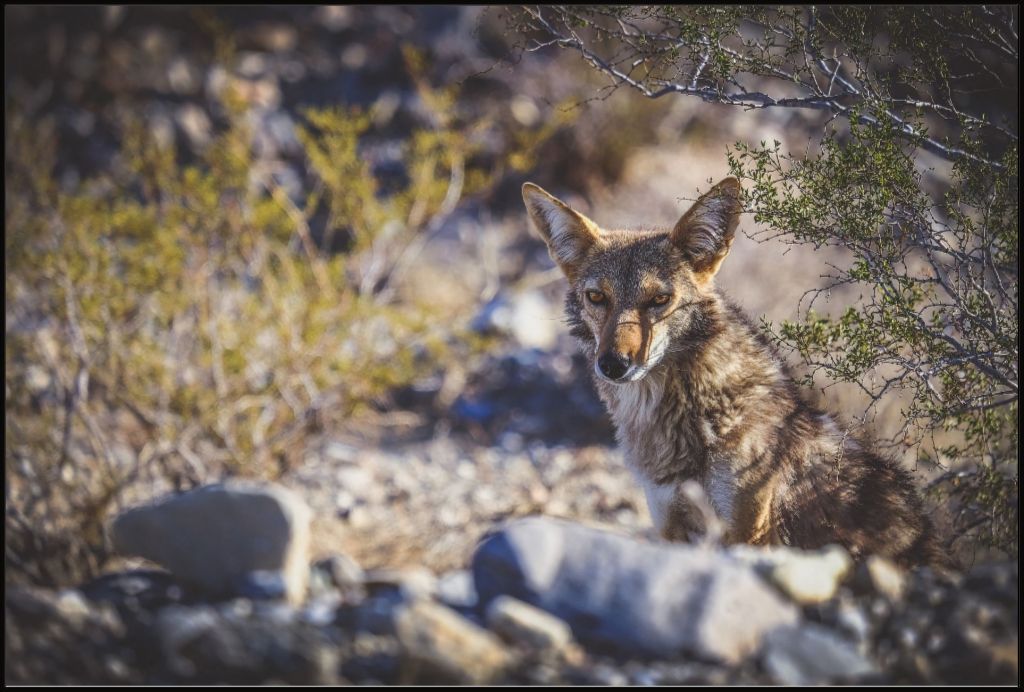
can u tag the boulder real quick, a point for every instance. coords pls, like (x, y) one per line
(630, 597)
(217, 536)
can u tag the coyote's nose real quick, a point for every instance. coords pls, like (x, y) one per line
(613, 365)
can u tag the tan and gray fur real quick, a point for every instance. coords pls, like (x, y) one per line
(696, 392)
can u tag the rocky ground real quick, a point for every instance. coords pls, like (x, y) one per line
(537, 601)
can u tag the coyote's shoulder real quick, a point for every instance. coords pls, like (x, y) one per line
(697, 393)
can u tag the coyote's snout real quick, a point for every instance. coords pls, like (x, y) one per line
(696, 392)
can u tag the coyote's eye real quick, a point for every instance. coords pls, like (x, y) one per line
(661, 299)
(595, 297)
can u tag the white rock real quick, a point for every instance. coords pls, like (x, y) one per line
(214, 536)
(807, 577)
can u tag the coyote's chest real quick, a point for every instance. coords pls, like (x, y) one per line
(665, 442)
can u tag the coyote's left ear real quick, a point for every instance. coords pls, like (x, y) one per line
(706, 231)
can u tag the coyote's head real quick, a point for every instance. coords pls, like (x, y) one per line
(635, 296)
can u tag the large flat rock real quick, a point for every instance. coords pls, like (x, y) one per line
(630, 597)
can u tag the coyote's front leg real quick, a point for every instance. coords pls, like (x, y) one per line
(681, 519)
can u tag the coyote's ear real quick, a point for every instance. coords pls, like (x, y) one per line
(706, 231)
(568, 233)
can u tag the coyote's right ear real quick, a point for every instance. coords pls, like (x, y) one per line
(568, 233)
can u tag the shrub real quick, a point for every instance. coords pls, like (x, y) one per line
(170, 324)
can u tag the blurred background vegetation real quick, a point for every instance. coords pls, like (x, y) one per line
(229, 231)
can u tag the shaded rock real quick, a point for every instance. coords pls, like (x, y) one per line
(372, 659)
(241, 646)
(521, 622)
(813, 655)
(374, 615)
(214, 536)
(447, 647)
(952, 630)
(62, 638)
(140, 589)
(629, 597)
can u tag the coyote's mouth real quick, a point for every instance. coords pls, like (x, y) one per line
(634, 373)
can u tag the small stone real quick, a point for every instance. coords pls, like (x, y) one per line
(71, 604)
(183, 77)
(344, 502)
(341, 452)
(252, 65)
(414, 583)
(359, 517)
(354, 56)
(456, 589)
(806, 577)
(886, 577)
(852, 619)
(604, 674)
(447, 645)
(195, 124)
(37, 379)
(343, 572)
(525, 111)
(321, 611)
(453, 515)
(273, 37)
(334, 17)
(357, 481)
(812, 655)
(148, 589)
(521, 622)
(238, 608)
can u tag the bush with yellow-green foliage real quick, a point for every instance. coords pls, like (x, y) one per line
(172, 324)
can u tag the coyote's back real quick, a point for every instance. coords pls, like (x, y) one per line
(696, 392)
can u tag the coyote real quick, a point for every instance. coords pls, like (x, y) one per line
(696, 392)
